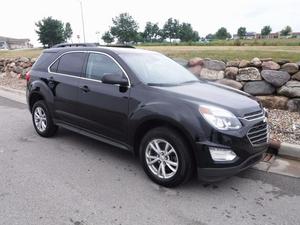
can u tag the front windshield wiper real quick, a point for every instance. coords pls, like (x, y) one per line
(190, 81)
(163, 84)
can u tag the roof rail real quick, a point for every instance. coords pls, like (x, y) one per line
(65, 45)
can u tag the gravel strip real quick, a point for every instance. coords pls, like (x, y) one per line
(15, 83)
(284, 126)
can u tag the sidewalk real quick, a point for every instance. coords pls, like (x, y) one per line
(13, 94)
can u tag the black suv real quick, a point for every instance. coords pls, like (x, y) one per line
(146, 103)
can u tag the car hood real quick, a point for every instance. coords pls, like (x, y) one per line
(204, 92)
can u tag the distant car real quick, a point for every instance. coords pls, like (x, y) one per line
(146, 103)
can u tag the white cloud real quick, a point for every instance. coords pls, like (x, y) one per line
(17, 19)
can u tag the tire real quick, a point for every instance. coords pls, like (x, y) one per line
(168, 174)
(42, 120)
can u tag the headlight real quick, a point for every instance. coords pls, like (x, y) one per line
(219, 118)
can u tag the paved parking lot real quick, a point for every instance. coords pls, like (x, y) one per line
(74, 180)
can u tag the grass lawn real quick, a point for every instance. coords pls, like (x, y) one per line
(291, 53)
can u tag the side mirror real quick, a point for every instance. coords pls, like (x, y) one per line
(114, 79)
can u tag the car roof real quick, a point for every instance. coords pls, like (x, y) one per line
(115, 50)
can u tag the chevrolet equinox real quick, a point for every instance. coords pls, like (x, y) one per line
(146, 103)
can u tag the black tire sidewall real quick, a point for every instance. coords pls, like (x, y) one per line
(179, 146)
(50, 128)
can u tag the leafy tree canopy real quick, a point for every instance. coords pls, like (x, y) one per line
(222, 34)
(186, 33)
(286, 31)
(171, 29)
(107, 37)
(68, 31)
(242, 32)
(266, 30)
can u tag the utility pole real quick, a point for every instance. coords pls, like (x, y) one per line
(82, 21)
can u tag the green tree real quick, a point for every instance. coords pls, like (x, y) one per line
(222, 34)
(286, 31)
(124, 28)
(186, 33)
(107, 37)
(171, 29)
(266, 30)
(242, 32)
(68, 31)
(50, 31)
(151, 32)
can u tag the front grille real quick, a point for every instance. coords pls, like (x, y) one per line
(254, 115)
(258, 134)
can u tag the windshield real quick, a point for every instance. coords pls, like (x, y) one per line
(157, 69)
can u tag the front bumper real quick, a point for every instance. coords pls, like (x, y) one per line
(216, 174)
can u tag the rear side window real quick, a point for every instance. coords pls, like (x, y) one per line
(99, 65)
(54, 66)
(44, 61)
(71, 63)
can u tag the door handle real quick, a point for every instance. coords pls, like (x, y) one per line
(85, 88)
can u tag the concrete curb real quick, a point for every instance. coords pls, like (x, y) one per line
(13, 94)
(289, 150)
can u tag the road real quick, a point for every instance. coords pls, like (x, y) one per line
(73, 180)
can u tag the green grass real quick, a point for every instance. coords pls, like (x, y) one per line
(291, 53)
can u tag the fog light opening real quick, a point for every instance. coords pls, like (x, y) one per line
(221, 154)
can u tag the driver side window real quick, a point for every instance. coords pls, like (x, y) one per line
(99, 65)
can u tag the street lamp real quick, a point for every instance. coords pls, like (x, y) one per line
(82, 20)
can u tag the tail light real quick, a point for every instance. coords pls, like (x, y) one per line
(27, 76)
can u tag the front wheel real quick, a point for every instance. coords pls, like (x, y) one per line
(165, 157)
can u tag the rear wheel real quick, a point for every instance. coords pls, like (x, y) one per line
(165, 157)
(42, 120)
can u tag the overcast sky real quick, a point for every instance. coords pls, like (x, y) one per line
(17, 18)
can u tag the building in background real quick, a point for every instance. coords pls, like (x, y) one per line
(7, 43)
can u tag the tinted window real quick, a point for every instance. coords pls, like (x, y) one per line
(44, 61)
(54, 66)
(99, 65)
(71, 63)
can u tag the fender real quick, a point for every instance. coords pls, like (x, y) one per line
(41, 88)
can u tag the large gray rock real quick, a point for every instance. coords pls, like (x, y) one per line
(283, 61)
(181, 62)
(23, 59)
(18, 69)
(211, 74)
(256, 62)
(195, 62)
(195, 70)
(259, 88)
(274, 102)
(230, 83)
(291, 68)
(296, 76)
(290, 89)
(244, 63)
(231, 72)
(233, 63)
(214, 65)
(276, 78)
(270, 65)
(249, 73)
(294, 105)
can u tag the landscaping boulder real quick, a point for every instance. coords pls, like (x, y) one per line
(294, 105)
(182, 62)
(290, 89)
(259, 88)
(270, 65)
(195, 70)
(274, 102)
(266, 59)
(231, 72)
(249, 73)
(230, 83)
(244, 63)
(276, 78)
(291, 68)
(18, 69)
(283, 61)
(296, 76)
(23, 59)
(214, 65)
(211, 74)
(195, 61)
(234, 63)
(256, 62)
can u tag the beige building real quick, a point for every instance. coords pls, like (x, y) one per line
(14, 43)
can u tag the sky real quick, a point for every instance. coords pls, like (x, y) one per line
(18, 18)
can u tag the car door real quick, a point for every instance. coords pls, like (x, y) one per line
(104, 107)
(65, 74)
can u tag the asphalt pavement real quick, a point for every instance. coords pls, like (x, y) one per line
(74, 180)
